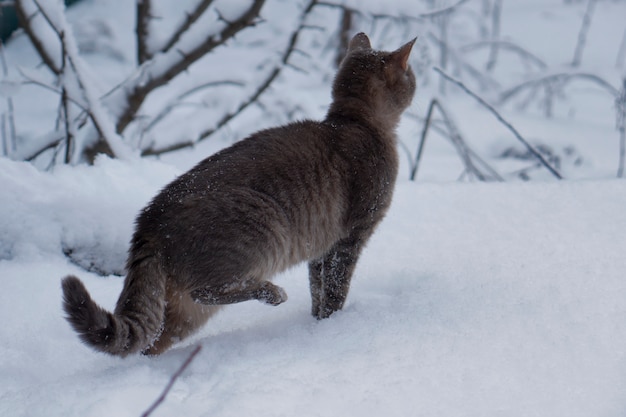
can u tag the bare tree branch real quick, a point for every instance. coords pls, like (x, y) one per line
(178, 61)
(26, 15)
(489, 107)
(507, 45)
(10, 140)
(417, 16)
(273, 74)
(620, 112)
(178, 100)
(621, 52)
(99, 119)
(201, 7)
(496, 12)
(467, 155)
(582, 34)
(144, 14)
(171, 382)
(563, 78)
(485, 81)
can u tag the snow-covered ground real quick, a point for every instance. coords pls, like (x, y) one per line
(472, 299)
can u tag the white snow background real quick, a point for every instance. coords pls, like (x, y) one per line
(472, 299)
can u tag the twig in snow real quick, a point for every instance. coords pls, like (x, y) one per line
(582, 34)
(504, 122)
(171, 382)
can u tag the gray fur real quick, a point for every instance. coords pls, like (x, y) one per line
(309, 191)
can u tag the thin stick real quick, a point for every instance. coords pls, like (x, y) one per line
(620, 109)
(11, 113)
(582, 34)
(420, 148)
(495, 35)
(504, 122)
(173, 379)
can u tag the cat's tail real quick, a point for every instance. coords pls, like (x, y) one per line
(138, 317)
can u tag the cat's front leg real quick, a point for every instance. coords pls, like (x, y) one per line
(336, 269)
(316, 269)
(264, 291)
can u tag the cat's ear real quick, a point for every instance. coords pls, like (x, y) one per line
(401, 55)
(359, 41)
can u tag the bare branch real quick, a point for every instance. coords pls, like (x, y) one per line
(620, 112)
(201, 7)
(417, 16)
(273, 74)
(171, 382)
(34, 81)
(178, 100)
(621, 52)
(485, 81)
(422, 142)
(523, 53)
(563, 78)
(144, 14)
(467, 155)
(519, 137)
(582, 34)
(161, 75)
(271, 77)
(12, 137)
(72, 62)
(495, 34)
(26, 16)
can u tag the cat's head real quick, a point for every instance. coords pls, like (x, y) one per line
(382, 79)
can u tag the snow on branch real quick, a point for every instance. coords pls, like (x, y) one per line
(41, 35)
(498, 116)
(163, 67)
(262, 87)
(72, 72)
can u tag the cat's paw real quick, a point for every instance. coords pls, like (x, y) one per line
(271, 294)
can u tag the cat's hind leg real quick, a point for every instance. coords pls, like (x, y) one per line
(263, 291)
(183, 316)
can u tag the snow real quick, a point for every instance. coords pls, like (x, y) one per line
(472, 299)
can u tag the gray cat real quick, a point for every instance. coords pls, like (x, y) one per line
(309, 191)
